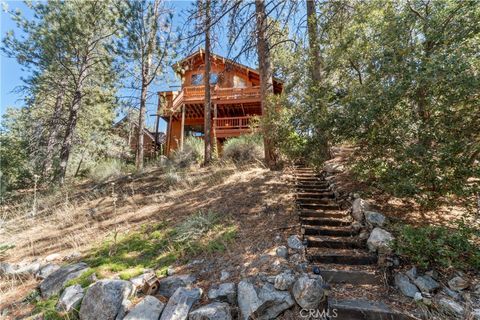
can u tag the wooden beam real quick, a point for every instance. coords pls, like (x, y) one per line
(182, 128)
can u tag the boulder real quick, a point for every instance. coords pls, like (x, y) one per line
(70, 298)
(149, 308)
(55, 282)
(359, 206)
(212, 311)
(226, 292)
(23, 269)
(170, 271)
(106, 300)
(412, 274)
(284, 281)
(458, 283)
(47, 270)
(262, 302)
(53, 257)
(426, 284)
(295, 243)
(167, 286)
(308, 292)
(380, 241)
(375, 219)
(405, 286)
(282, 252)
(451, 306)
(180, 303)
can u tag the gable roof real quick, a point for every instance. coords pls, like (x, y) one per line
(218, 57)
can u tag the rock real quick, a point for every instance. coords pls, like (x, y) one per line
(476, 314)
(224, 275)
(55, 282)
(47, 270)
(426, 284)
(380, 241)
(295, 243)
(405, 286)
(139, 281)
(105, 300)
(308, 292)
(458, 283)
(476, 289)
(433, 274)
(333, 168)
(451, 306)
(149, 308)
(167, 286)
(70, 298)
(295, 258)
(418, 296)
(226, 292)
(262, 303)
(170, 271)
(282, 252)
(412, 274)
(375, 219)
(284, 281)
(359, 206)
(212, 311)
(53, 257)
(23, 269)
(180, 303)
(453, 294)
(72, 256)
(364, 234)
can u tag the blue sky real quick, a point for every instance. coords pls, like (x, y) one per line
(12, 73)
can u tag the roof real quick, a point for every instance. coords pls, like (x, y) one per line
(149, 133)
(219, 57)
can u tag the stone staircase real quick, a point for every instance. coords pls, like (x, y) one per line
(335, 251)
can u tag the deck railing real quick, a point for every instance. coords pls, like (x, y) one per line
(233, 123)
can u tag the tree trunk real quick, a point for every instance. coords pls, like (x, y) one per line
(68, 138)
(266, 75)
(53, 135)
(208, 102)
(312, 25)
(141, 125)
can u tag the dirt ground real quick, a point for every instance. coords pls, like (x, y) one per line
(257, 201)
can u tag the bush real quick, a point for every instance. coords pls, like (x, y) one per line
(440, 246)
(247, 148)
(192, 153)
(108, 169)
(194, 227)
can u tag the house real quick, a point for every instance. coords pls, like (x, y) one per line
(127, 128)
(235, 96)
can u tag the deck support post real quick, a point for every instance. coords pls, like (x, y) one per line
(214, 125)
(182, 128)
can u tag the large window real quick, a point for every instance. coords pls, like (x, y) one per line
(197, 79)
(213, 78)
(239, 82)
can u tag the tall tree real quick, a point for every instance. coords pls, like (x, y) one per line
(312, 27)
(208, 100)
(146, 48)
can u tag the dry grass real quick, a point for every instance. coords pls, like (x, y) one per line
(258, 203)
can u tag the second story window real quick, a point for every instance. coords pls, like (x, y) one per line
(197, 79)
(213, 78)
(239, 82)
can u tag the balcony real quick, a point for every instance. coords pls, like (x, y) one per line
(196, 94)
(232, 126)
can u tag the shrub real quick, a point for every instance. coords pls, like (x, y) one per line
(192, 153)
(196, 226)
(247, 148)
(108, 169)
(438, 245)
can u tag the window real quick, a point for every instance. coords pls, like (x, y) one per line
(197, 79)
(239, 82)
(213, 78)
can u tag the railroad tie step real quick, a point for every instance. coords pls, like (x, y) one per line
(362, 310)
(321, 206)
(335, 242)
(311, 230)
(345, 259)
(356, 277)
(311, 213)
(308, 200)
(334, 222)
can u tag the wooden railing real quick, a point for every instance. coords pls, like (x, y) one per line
(233, 123)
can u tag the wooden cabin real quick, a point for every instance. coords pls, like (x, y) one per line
(235, 96)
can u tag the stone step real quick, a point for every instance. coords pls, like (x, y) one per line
(310, 230)
(334, 242)
(315, 200)
(363, 310)
(315, 213)
(322, 206)
(342, 258)
(357, 277)
(315, 221)
(315, 194)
